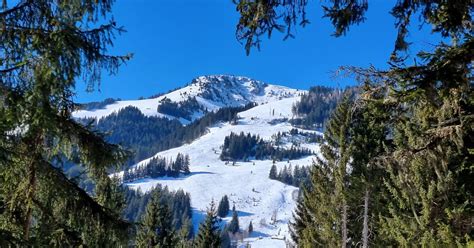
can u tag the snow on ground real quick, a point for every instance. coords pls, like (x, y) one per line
(256, 197)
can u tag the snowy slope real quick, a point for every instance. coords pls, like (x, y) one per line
(211, 92)
(256, 197)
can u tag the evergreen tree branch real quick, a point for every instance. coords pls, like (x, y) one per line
(81, 200)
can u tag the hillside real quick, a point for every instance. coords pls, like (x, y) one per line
(202, 94)
(268, 203)
(257, 198)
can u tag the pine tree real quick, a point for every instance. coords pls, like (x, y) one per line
(250, 229)
(428, 163)
(156, 228)
(185, 234)
(225, 238)
(223, 208)
(208, 234)
(322, 215)
(368, 140)
(109, 194)
(177, 165)
(428, 112)
(234, 223)
(187, 162)
(46, 46)
(273, 172)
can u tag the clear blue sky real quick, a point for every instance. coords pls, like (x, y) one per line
(175, 41)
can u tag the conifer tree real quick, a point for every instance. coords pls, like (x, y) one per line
(46, 46)
(234, 223)
(156, 229)
(187, 162)
(431, 119)
(208, 234)
(322, 215)
(368, 140)
(110, 194)
(250, 229)
(427, 110)
(185, 234)
(223, 208)
(273, 172)
(225, 238)
(177, 165)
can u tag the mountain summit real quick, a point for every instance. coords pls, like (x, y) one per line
(201, 95)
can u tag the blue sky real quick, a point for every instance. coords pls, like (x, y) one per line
(176, 41)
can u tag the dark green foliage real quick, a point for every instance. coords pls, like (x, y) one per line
(260, 17)
(184, 109)
(250, 228)
(410, 137)
(321, 214)
(310, 137)
(223, 208)
(234, 222)
(46, 45)
(146, 136)
(245, 146)
(209, 235)
(314, 108)
(156, 229)
(225, 238)
(143, 135)
(273, 172)
(159, 167)
(297, 177)
(406, 137)
(185, 234)
(178, 202)
(429, 163)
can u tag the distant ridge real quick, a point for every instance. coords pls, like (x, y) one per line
(202, 94)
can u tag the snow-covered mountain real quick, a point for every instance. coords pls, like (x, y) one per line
(202, 94)
(268, 203)
(256, 197)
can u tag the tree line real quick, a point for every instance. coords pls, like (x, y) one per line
(315, 107)
(246, 146)
(159, 167)
(298, 176)
(163, 223)
(294, 134)
(144, 135)
(178, 202)
(184, 109)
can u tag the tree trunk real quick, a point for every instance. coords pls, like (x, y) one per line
(365, 229)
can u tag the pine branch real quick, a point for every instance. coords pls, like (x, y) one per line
(96, 153)
(70, 233)
(18, 7)
(83, 200)
(7, 239)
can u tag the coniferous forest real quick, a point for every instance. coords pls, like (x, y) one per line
(144, 135)
(395, 167)
(159, 167)
(316, 106)
(297, 176)
(247, 146)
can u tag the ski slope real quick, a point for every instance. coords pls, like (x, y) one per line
(256, 197)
